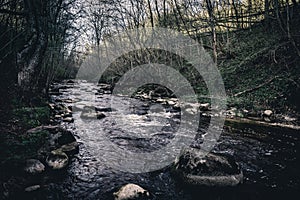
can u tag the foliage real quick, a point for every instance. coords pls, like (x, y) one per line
(15, 149)
(30, 117)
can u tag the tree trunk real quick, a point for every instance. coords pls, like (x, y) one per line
(30, 58)
(213, 29)
(151, 13)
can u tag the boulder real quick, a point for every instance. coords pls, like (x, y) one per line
(196, 167)
(68, 120)
(88, 115)
(100, 115)
(104, 109)
(70, 148)
(32, 188)
(268, 113)
(130, 192)
(204, 106)
(57, 160)
(34, 166)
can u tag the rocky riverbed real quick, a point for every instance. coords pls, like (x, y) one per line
(266, 155)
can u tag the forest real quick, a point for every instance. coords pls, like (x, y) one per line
(48, 139)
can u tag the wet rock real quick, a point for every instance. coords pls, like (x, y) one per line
(196, 167)
(57, 160)
(204, 106)
(171, 102)
(51, 106)
(105, 109)
(88, 115)
(100, 115)
(32, 188)
(70, 148)
(34, 166)
(57, 116)
(70, 81)
(141, 112)
(130, 192)
(61, 109)
(65, 115)
(68, 120)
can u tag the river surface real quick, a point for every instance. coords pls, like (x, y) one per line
(269, 157)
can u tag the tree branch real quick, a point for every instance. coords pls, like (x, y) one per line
(4, 11)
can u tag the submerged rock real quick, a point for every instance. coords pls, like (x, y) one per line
(34, 166)
(196, 167)
(130, 192)
(57, 160)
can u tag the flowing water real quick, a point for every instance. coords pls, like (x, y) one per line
(268, 156)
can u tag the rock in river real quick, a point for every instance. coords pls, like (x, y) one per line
(70, 148)
(196, 167)
(130, 192)
(57, 160)
(34, 166)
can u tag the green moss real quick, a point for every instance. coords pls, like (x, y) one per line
(30, 117)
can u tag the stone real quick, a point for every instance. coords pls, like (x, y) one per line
(70, 81)
(88, 115)
(104, 109)
(70, 148)
(57, 160)
(68, 120)
(204, 106)
(268, 113)
(51, 106)
(57, 116)
(289, 119)
(32, 188)
(100, 115)
(196, 167)
(171, 102)
(34, 166)
(130, 192)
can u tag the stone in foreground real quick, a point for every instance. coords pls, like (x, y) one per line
(57, 160)
(196, 167)
(32, 188)
(130, 192)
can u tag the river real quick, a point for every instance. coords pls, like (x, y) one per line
(268, 156)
